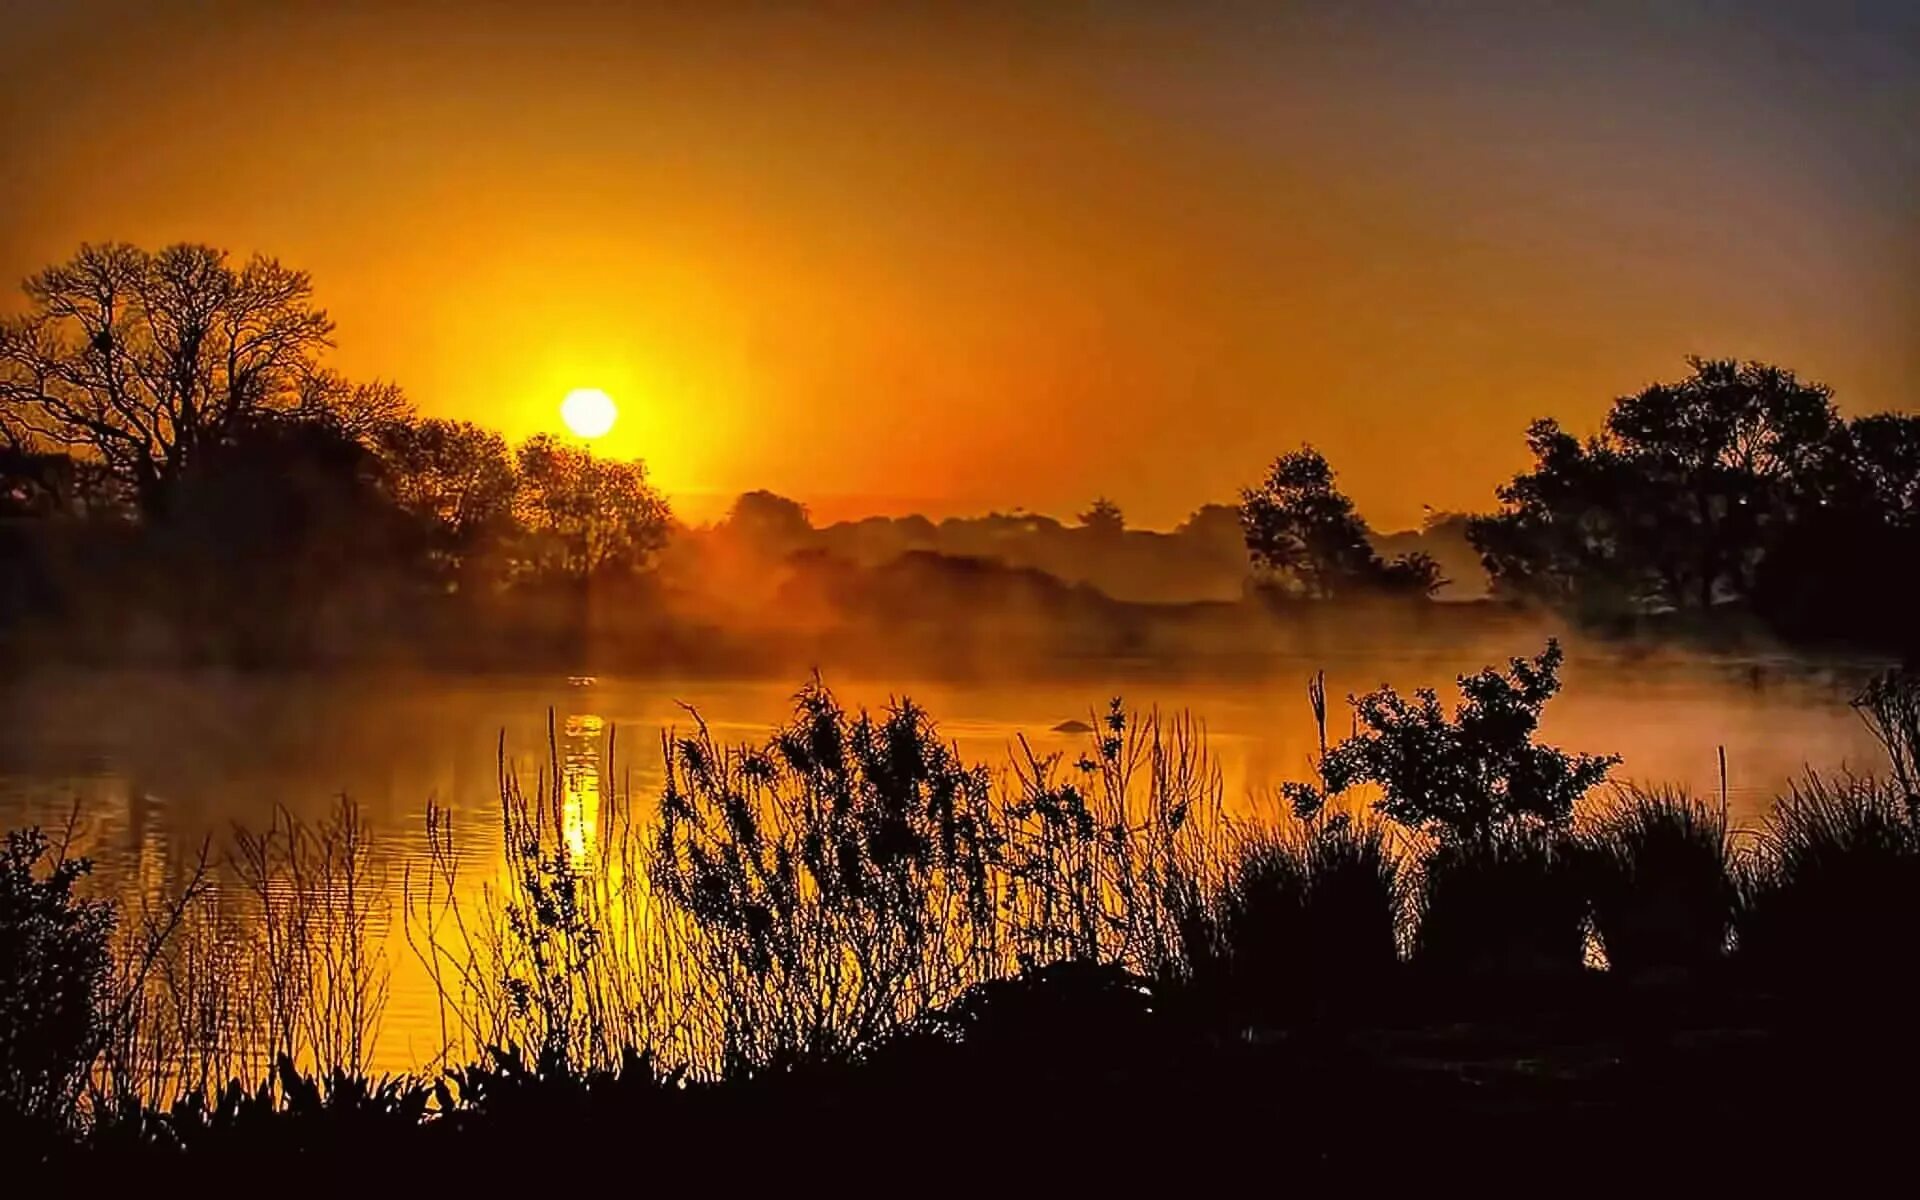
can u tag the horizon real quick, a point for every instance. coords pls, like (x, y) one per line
(1398, 235)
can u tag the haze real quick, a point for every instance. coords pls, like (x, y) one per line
(946, 260)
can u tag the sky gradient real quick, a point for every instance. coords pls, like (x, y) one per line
(951, 259)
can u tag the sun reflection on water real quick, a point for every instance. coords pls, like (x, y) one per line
(580, 804)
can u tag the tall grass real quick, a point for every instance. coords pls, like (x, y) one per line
(269, 951)
(267, 954)
(563, 954)
(1890, 706)
(805, 898)
(1306, 919)
(831, 883)
(1659, 870)
(1507, 902)
(1834, 888)
(1098, 853)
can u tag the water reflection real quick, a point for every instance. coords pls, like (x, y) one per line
(159, 762)
(580, 786)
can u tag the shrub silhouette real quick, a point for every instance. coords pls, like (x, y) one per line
(1307, 920)
(1465, 775)
(1068, 1017)
(836, 880)
(1505, 902)
(53, 976)
(849, 903)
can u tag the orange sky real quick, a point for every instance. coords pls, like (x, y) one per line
(952, 259)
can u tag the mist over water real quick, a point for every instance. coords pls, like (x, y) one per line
(156, 762)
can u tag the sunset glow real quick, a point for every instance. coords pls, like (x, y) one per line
(930, 252)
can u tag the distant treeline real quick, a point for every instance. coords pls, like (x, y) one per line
(183, 479)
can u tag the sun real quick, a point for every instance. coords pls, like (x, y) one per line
(588, 412)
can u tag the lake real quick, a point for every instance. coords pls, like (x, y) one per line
(157, 762)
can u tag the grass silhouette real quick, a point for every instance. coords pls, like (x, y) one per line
(1660, 874)
(847, 926)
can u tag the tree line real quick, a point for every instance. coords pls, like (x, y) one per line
(1737, 488)
(168, 416)
(170, 434)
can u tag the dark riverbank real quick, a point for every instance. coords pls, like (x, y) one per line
(1587, 1083)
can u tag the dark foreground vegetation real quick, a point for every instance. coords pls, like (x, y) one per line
(844, 954)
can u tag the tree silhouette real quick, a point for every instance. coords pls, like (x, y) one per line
(1104, 517)
(361, 411)
(1830, 572)
(1671, 505)
(280, 537)
(456, 481)
(1301, 529)
(584, 516)
(1464, 775)
(768, 523)
(144, 360)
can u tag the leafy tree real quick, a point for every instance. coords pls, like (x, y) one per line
(1873, 473)
(1104, 517)
(1829, 573)
(1299, 527)
(1413, 574)
(1465, 775)
(281, 539)
(144, 359)
(584, 516)
(768, 522)
(456, 481)
(1671, 505)
(1566, 537)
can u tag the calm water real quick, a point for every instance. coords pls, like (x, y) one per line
(156, 763)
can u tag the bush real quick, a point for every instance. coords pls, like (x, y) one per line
(1659, 873)
(1466, 775)
(53, 977)
(1069, 1017)
(1834, 886)
(1506, 902)
(834, 882)
(1307, 917)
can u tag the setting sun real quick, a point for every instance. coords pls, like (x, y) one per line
(588, 412)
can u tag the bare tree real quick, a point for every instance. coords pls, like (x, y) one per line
(365, 412)
(144, 359)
